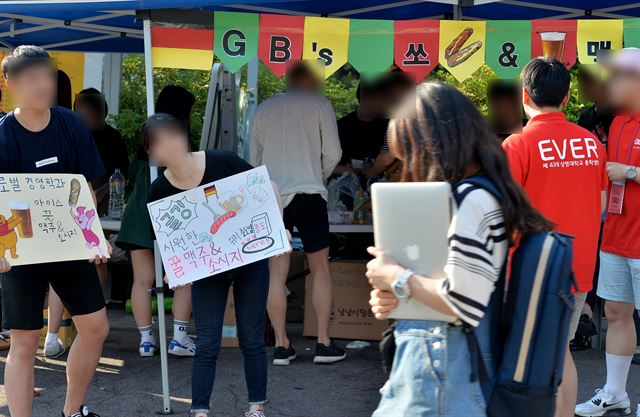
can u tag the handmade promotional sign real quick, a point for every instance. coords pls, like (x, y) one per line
(508, 46)
(236, 38)
(371, 46)
(416, 46)
(218, 227)
(280, 41)
(326, 40)
(462, 46)
(597, 38)
(554, 38)
(48, 218)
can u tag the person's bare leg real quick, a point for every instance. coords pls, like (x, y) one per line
(18, 371)
(143, 278)
(84, 356)
(321, 292)
(621, 331)
(568, 390)
(55, 312)
(182, 303)
(277, 301)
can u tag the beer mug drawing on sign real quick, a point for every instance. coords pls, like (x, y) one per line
(553, 44)
(21, 210)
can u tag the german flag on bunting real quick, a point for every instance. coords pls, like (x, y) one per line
(182, 48)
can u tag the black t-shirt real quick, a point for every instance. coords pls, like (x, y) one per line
(596, 123)
(65, 146)
(361, 139)
(218, 165)
(112, 149)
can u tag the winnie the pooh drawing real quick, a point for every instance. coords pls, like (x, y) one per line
(8, 236)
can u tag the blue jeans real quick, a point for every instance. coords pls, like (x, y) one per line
(430, 374)
(209, 297)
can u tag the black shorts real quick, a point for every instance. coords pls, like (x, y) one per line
(308, 214)
(24, 290)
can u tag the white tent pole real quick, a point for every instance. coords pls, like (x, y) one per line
(153, 174)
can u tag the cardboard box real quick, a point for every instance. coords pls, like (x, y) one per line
(67, 332)
(229, 325)
(351, 317)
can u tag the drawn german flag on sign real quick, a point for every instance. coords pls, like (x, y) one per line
(182, 48)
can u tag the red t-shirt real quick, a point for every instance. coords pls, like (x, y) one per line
(621, 231)
(562, 168)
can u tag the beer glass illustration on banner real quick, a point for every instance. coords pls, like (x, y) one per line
(553, 44)
(21, 210)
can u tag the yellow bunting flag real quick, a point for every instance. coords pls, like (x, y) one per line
(462, 46)
(327, 40)
(182, 48)
(598, 37)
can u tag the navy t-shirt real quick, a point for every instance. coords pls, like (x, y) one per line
(65, 146)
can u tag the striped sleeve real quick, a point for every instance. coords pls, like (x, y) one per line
(478, 246)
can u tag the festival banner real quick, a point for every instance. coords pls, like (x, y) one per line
(280, 41)
(72, 66)
(462, 46)
(218, 226)
(416, 46)
(48, 218)
(236, 38)
(632, 33)
(371, 46)
(508, 46)
(183, 48)
(327, 40)
(598, 37)
(554, 38)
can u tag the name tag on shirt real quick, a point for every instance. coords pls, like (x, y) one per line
(48, 161)
(616, 200)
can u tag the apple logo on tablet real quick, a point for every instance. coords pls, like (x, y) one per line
(413, 252)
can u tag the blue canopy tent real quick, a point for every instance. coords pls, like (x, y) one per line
(124, 26)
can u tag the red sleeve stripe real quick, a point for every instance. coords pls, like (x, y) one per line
(182, 38)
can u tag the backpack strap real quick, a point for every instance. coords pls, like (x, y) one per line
(475, 182)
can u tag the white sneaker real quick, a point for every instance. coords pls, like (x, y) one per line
(54, 349)
(187, 348)
(604, 404)
(147, 349)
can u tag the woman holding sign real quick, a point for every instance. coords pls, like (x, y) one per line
(165, 139)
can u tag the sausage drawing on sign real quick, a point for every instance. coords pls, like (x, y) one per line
(455, 54)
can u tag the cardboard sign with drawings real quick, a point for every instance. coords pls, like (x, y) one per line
(218, 227)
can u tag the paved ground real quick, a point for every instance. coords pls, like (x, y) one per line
(127, 386)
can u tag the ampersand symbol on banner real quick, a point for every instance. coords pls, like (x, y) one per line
(507, 58)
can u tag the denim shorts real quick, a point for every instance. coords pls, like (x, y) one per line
(430, 374)
(619, 279)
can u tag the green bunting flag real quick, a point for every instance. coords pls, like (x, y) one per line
(508, 46)
(632, 33)
(371, 46)
(236, 38)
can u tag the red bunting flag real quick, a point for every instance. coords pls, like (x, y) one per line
(554, 38)
(416, 46)
(281, 39)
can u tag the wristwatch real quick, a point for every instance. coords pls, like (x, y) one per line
(400, 287)
(632, 172)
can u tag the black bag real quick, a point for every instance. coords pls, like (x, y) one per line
(388, 348)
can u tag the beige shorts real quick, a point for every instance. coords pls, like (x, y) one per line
(580, 298)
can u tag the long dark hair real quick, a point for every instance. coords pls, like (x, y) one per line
(439, 134)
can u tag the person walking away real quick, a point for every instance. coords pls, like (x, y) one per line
(619, 283)
(431, 370)
(167, 141)
(295, 135)
(36, 138)
(134, 237)
(561, 167)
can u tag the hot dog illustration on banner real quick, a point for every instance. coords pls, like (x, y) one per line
(462, 47)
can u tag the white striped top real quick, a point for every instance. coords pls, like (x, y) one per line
(478, 246)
